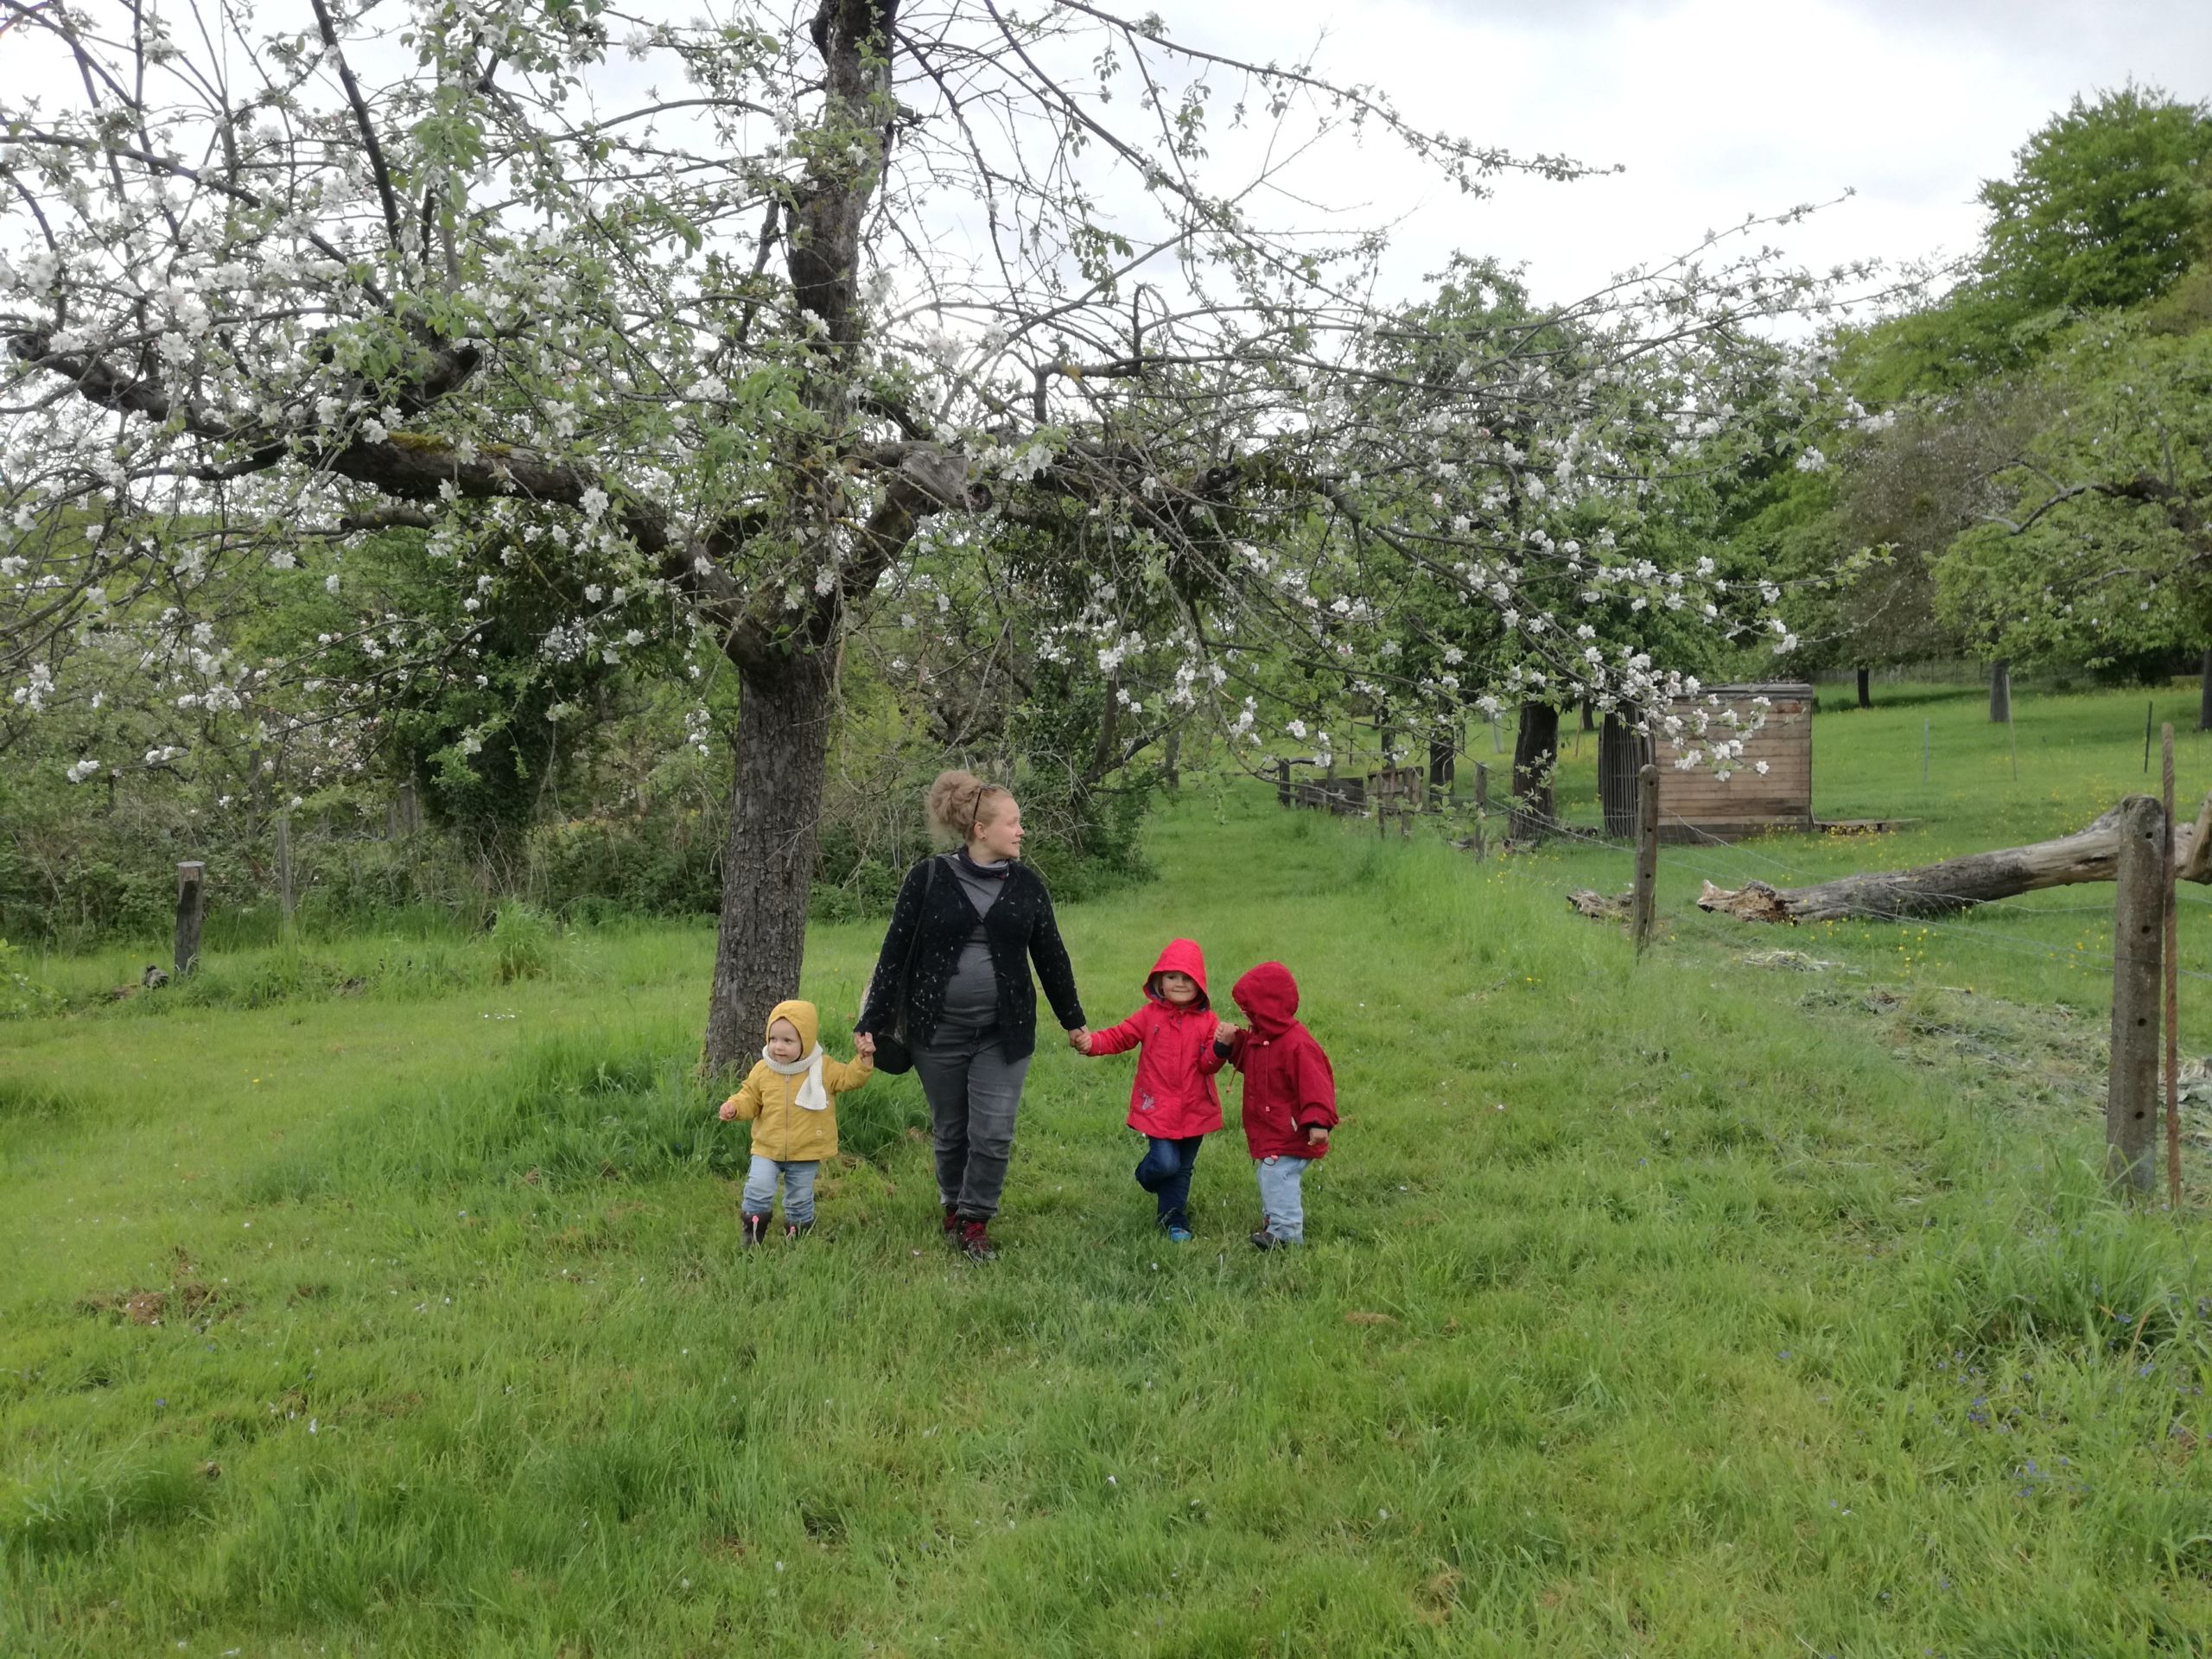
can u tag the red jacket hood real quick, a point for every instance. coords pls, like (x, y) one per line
(1268, 996)
(1182, 957)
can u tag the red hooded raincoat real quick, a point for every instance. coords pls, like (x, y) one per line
(1288, 1087)
(1175, 1097)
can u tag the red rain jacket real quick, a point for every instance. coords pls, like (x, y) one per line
(1174, 1095)
(1288, 1087)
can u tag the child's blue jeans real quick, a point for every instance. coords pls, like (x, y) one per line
(1165, 1171)
(1282, 1201)
(798, 1189)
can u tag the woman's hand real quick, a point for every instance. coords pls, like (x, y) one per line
(864, 1043)
(1079, 1039)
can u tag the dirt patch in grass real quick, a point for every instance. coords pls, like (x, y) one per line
(187, 1301)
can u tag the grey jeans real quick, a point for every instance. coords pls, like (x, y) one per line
(974, 1091)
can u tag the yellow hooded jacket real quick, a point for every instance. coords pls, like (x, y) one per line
(782, 1128)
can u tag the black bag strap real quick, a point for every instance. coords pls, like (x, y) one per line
(914, 943)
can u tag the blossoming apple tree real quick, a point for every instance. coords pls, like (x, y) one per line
(730, 334)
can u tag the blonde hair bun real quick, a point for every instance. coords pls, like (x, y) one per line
(959, 800)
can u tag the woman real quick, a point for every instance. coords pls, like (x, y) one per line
(970, 922)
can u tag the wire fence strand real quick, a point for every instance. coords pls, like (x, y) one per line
(1969, 902)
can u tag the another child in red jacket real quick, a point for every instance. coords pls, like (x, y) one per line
(1290, 1098)
(1174, 1104)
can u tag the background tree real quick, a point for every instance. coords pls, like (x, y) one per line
(754, 354)
(2034, 449)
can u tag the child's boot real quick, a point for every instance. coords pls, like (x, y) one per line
(756, 1229)
(1177, 1226)
(952, 1225)
(1264, 1240)
(975, 1241)
(797, 1229)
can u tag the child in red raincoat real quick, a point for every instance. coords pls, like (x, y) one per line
(1174, 1104)
(1290, 1098)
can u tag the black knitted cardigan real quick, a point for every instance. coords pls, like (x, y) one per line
(1019, 928)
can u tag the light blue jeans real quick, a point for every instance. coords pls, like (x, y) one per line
(798, 1189)
(1281, 1199)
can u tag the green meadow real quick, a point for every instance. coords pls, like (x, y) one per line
(383, 1295)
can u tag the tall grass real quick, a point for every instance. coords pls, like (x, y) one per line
(1671, 1307)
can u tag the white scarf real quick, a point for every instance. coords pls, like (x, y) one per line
(811, 1095)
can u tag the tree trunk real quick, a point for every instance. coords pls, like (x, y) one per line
(1102, 752)
(1535, 748)
(2204, 694)
(1866, 688)
(1589, 715)
(2000, 693)
(787, 665)
(191, 913)
(1622, 753)
(782, 735)
(2090, 854)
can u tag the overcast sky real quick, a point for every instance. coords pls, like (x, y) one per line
(1717, 108)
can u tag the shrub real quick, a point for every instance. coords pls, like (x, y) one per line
(525, 942)
(20, 995)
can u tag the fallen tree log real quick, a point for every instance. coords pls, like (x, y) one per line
(1597, 906)
(1956, 884)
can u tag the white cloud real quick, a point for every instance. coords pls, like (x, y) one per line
(1716, 109)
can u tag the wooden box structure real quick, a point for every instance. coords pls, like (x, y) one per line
(1343, 796)
(1395, 789)
(1697, 804)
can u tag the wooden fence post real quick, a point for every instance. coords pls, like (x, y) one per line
(1647, 856)
(2170, 939)
(2132, 1094)
(1282, 783)
(191, 912)
(1481, 811)
(284, 868)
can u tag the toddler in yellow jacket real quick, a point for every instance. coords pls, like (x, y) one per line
(790, 1098)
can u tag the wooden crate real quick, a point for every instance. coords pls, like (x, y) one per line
(1697, 804)
(1397, 789)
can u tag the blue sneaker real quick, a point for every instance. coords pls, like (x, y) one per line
(1179, 1235)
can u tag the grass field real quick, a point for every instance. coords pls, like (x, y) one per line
(387, 1300)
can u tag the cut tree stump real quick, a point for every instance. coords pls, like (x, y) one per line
(1956, 884)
